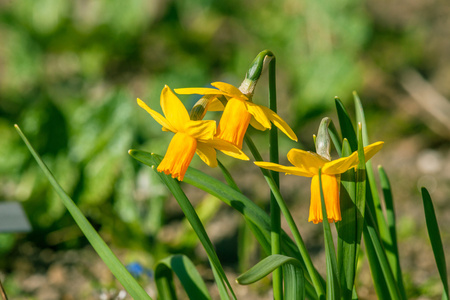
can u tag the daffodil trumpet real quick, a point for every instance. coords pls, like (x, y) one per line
(307, 164)
(239, 112)
(191, 136)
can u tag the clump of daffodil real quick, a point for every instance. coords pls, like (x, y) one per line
(239, 112)
(307, 164)
(191, 136)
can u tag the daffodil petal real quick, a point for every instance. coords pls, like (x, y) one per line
(215, 105)
(230, 90)
(199, 91)
(207, 154)
(157, 116)
(173, 109)
(291, 170)
(204, 130)
(280, 123)
(256, 111)
(372, 149)
(341, 165)
(306, 161)
(227, 148)
(256, 124)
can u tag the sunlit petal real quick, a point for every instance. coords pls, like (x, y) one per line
(372, 149)
(173, 109)
(291, 170)
(207, 153)
(341, 165)
(308, 162)
(200, 129)
(259, 114)
(256, 124)
(178, 155)
(280, 123)
(157, 116)
(230, 90)
(234, 122)
(330, 185)
(199, 91)
(228, 148)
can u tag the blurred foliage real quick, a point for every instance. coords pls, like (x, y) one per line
(70, 73)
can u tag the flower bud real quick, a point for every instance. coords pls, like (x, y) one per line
(254, 72)
(200, 108)
(323, 142)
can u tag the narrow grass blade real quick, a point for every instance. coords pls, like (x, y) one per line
(294, 282)
(333, 286)
(347, 229)
(380, 260)
(435, 239)
(383, 279)
(190, 214)
(347, 130)
(378, 279)
(186, 272)
(390, 221)
(335, 138)
(374, 203)
(105, 253)
(360, 190)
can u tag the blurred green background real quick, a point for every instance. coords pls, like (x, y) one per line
(70, 73)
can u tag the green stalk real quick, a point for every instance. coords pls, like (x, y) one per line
(315, 277)
(275, 216)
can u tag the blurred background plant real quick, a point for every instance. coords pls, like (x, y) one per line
(70, 73)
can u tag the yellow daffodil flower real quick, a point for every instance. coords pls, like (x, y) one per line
(190, 137)
(239, 112)
(308, 163)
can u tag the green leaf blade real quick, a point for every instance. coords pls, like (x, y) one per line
(347, 229)
(435, 239)
(186, 272)
(102, 249)
(347, 129)
(190, 214)
(293, 274)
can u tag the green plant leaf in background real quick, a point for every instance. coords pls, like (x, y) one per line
(113, 263)
(186, 272)
(435, 239)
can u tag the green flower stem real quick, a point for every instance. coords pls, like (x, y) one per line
(275, 216)
(315, 277)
